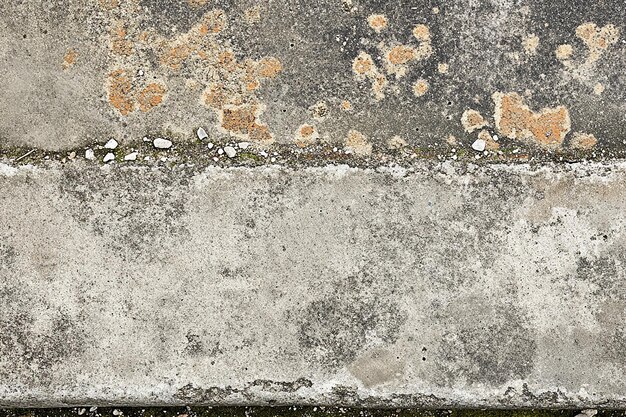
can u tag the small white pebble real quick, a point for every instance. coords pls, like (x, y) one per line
(111, 144)
(90, 155)
(230, 151)
(263, 154)
(131, 156)
(117, 412)
(92, 409)
(145, 139)
(164, 159)
(516, 150)
(243, 145)
(220, 151)
(335, 149)
(495, 137)
(215, 158)
(202, 135)
(140, 73)
(210, 145)
(479, 145)
(108, 158)
(454, 157)
(273, 160)
(161, 143)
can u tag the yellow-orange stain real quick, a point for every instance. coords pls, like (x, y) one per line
(363, 64)
(378, 22)
(597, 39)
(420, 88)
(306, 135)
(269, 67)
(421, 33)
(120, 92)
(516, 120)
(151, 96)
(401, 54)
(70, 58)
(583, 141)
(490, 144)
(108, 4)
(357, 143)
(120, 45)
(472, 120)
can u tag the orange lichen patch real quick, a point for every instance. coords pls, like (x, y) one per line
(346, 105)
(583, 141)
(108, 4)
(378, 22)
(515, 120)
(420, 88)
(597, 39)
(151, 96)
(70, 58)
(564, 52)
(252, 15)
(261, 135)
(226, 59)
(120, 92)
(174, 56)
(306, 135)
(357, 143)
(213, 22)
(530, 43)
(239, 119)
(120, 44)
(396, 142)
(490, 144)
(215, 96)
(363, 65)
(269, 67)
(442, 68)
(196, 3)
(421, 33)
(472, 120)
(401, 54)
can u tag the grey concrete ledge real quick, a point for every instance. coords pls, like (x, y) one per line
(442, 286)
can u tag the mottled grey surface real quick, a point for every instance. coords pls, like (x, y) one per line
(441, 285)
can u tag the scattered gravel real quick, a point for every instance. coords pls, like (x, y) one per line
(111, 144)
(230, 151)
(108, 157)
(90, 155)
(210, 145)
(479, 145)
(161, 143)
(202, 135)
(243, 145)
(131, 156)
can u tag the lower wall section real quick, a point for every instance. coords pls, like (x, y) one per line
(438, 286)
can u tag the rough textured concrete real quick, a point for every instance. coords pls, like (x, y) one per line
(354, 224)
(441, 285)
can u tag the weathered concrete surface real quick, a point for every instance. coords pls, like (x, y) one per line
(441, 285)
(546, 77)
